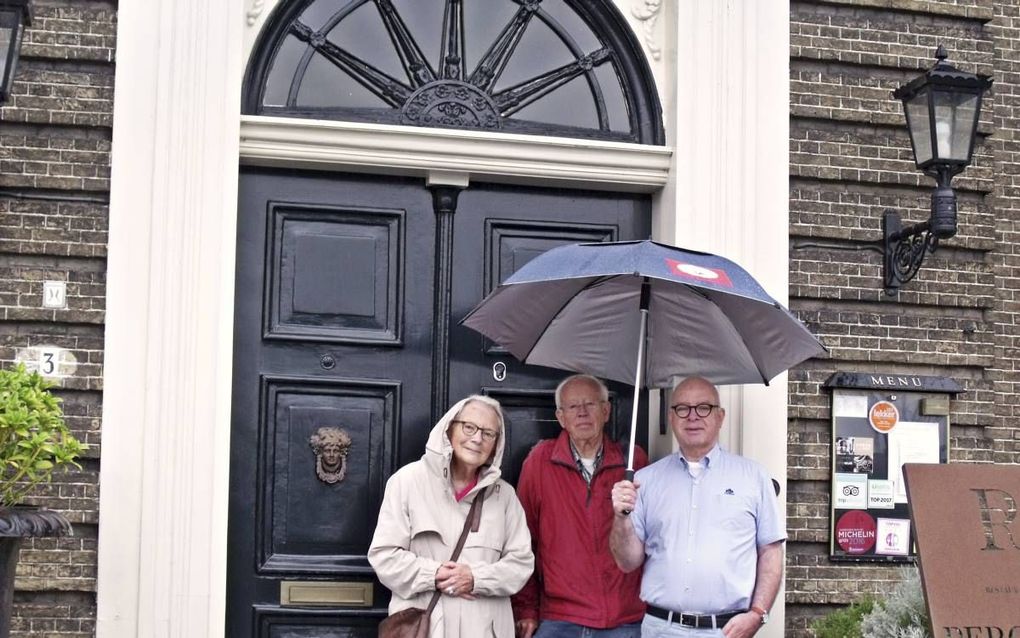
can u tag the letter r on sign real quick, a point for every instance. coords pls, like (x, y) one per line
(1007, 513)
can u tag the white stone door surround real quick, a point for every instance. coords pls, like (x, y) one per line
(720, 185)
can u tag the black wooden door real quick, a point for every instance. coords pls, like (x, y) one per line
(349, 290)
(498, 230)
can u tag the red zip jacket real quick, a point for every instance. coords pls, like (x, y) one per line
(576, 579)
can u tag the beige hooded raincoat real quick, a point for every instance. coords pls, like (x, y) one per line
(419, 524)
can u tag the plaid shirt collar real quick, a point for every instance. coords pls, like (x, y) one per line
(580, 466)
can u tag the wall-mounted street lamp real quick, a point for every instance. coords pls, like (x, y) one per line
(942, 108)
(14, 17)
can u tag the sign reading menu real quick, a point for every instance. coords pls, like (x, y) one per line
(880, 422)
(967, 527)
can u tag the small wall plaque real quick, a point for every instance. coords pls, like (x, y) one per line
(935, 406)
(54, 294)
(50, 361)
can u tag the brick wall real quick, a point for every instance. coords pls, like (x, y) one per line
(850, 159)
(55, 136)
(1005, 29)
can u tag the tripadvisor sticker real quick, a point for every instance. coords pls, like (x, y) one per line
(883, 416)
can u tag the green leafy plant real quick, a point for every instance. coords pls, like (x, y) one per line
(844, 622)
(903, 614)
(34, 440)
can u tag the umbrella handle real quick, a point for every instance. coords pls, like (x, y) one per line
(628, 475)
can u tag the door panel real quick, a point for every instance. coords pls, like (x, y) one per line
(312, 623)
(357, 304)
(337, 349)
(308, 525)
(332, 330)
(505, 227)
(509, 244)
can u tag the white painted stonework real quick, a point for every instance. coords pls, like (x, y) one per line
(517, 159)
(169, 322)
(720, 185)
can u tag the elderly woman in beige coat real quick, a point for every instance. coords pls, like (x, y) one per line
(423, 514)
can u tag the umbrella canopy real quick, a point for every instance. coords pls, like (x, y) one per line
(577, 307)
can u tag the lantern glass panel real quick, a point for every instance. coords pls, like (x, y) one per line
(955, 118)
(919, 125)
(8, 23)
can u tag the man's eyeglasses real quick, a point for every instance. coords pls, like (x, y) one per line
(576, 408)
(683, 410)
(469, 429)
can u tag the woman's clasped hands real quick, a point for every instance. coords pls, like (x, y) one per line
(455, 579)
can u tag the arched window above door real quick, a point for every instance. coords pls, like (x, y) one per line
(568, 68)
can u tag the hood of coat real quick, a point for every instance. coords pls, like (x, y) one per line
(439, 450)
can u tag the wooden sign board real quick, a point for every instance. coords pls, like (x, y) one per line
(966, 522)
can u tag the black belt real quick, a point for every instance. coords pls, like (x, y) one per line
(694, 621)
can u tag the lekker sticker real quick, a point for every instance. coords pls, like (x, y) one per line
(883, 417)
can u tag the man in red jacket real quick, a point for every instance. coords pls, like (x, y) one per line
(565, 487)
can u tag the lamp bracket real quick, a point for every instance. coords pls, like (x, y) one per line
(905, 249)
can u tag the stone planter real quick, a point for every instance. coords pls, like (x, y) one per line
(17, 523)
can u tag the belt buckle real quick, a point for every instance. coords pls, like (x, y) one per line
(689, 620)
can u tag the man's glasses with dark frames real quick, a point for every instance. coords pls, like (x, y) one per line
(683, 410)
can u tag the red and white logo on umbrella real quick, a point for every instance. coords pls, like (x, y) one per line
(701, 273)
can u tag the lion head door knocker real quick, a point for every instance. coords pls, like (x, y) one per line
(331, 446)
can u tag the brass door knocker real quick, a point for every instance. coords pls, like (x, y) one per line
(331, 446)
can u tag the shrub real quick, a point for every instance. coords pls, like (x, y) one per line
(845, 622)
(34, 440)
(902, 615)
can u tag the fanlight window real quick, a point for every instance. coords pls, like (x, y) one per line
(554, 67)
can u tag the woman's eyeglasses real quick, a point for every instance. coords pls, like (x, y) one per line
(469, 429)
(683, 410)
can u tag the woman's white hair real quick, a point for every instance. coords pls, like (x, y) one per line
(493, 404)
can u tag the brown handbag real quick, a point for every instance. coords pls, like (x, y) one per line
(414, 622)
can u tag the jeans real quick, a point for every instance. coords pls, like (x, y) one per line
(653, 627)
(563, 629)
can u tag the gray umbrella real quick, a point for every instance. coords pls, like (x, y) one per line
(643, 313)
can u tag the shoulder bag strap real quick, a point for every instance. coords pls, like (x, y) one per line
(471, 524)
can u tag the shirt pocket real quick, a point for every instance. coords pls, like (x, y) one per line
(734, 512)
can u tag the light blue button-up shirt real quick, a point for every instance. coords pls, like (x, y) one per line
(701, 535)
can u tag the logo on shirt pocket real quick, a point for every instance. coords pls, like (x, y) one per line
(734, 511)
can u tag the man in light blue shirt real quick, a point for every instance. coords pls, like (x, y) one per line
(706, 525)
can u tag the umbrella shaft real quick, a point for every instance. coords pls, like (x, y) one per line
(638, 381)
